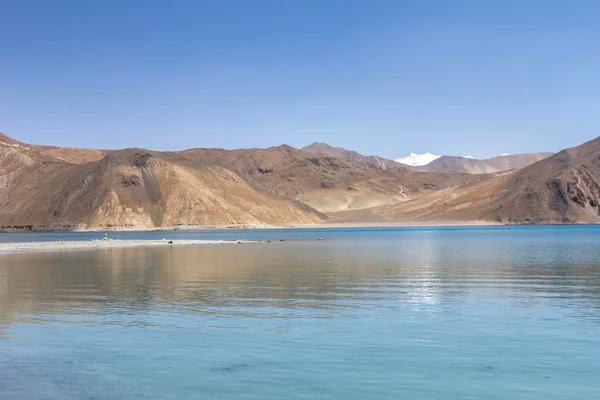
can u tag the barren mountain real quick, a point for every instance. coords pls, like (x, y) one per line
(562, 188)
(15, 156)
(493, 165)
(324, 182)
(348, 155)
(74, 155)
(56, 188)
(130, 188)
(68, 154)
(433, 163)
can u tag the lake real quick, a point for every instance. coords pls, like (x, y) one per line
(406, 313)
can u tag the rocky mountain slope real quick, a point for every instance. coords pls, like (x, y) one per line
(130, 189)
(562, 188)
(326, 183)
(349, 155)
(432, 163)
(74, 155)
(45, 187)
(66, 154)
(464, 165)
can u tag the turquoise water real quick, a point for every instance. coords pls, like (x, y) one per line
(414, 313)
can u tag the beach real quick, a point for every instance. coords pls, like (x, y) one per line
(27, 247)
(395, 224)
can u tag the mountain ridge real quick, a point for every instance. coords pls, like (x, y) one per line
(131, 188)
(562, 188)
(143, 189)
(429, 162)
(350, 155)
(492, 165)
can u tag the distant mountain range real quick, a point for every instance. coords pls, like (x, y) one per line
(51, 188)
(348, 155)
(417, 160)
(428, 162)
(493, 165)
(562, 188)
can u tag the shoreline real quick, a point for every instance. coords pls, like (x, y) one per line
(51, 246)
(423, 224)
(332, 225)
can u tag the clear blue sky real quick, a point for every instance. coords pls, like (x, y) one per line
(381, 77)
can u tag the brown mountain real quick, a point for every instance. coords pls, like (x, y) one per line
(68, 154)
(279, 185)
(324, 182)
(445, 164)
(45, 187)
(493, 165)
(130, 188)
(562, 188)
(348, 155)
(74, 155)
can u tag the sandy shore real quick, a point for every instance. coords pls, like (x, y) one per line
(26, 247)
(322, 225)
(179, 228)
(350, 225)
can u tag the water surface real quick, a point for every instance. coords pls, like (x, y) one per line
(415, 313)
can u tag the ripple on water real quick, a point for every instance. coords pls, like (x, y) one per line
(434, 313)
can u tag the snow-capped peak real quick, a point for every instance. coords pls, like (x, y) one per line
(504, 154)
(417, 160)
(469, 157)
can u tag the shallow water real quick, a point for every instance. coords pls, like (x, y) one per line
(414, 313)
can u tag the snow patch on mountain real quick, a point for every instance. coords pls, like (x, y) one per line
(417, 160)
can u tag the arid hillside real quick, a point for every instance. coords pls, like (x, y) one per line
(130, 189)
(563, 188)
(349, 155)
(45, 187)
(326, 183)
(74, 155)
(444, 164)
(66, 154)
(458, 165)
